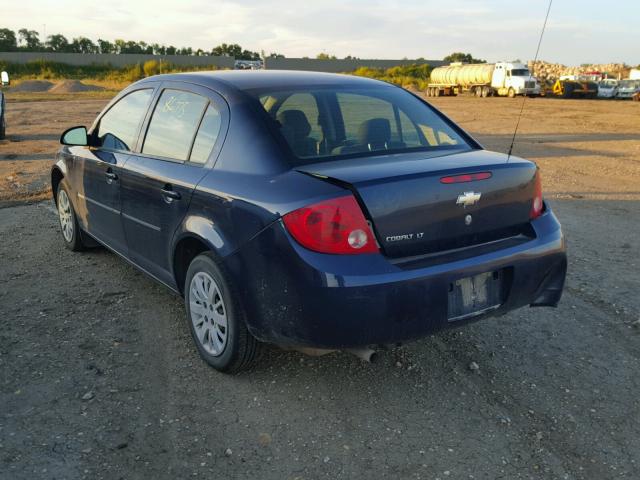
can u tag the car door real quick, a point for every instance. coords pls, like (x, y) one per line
(97, 168)
(158, 181)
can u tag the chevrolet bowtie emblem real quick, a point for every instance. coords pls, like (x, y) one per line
(468, 199)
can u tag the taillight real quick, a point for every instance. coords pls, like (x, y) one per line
(536, 204)
(333, 226)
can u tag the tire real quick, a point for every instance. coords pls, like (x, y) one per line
(486, 92)
(511, 93)
(69, 227)
(478, 92)
(216, 319)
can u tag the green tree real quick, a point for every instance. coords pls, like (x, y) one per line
(30, 39)
(119, 45)
(106, 46)
(462, 57)
(58, 43)
(82, 45)
(8, 41)
(170, 50)
(235, 50)
(158, 49)
(131, 46)
(325, 56)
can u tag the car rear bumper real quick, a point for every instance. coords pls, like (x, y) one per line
(293, 296)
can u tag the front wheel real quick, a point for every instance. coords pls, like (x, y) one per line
(68, 221)
(511, 93)
(216, 318)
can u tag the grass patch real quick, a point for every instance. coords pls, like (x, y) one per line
(415, 76)
(107, 74)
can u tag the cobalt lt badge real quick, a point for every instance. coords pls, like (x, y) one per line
(468, 219)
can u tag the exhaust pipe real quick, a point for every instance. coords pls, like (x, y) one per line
(366, 354)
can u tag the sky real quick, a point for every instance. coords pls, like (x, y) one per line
(578, 31)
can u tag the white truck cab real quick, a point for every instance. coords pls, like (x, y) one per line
(628, 88)
(608, 88)
(514, 79)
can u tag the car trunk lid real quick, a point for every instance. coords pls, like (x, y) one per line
(414, 211)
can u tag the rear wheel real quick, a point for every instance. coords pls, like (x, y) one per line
(68, 221)
(486, 91)
(216, 318)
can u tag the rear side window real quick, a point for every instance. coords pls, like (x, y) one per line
(118, 129)
(207, 135)
(174, 124)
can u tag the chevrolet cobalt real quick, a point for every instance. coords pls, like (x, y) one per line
(307, 210)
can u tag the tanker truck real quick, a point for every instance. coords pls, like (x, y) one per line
(483, 80)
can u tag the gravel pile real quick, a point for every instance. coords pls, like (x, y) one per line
(552, 71)
(32, 86)
(73, 86)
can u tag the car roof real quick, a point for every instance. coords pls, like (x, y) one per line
(266, 79)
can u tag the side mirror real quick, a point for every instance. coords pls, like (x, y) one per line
(4, 78)
(76, 136)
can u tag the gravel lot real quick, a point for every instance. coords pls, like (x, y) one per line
(99, 378)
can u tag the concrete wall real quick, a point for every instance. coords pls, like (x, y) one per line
(116, 60)
(337, 66)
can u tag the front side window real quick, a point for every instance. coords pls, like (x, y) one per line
(356, 122)
(174, 124)
(118, 128)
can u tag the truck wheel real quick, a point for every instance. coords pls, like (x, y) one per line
(486, 91)
(428, 92)
(478, 92)
(511, 93)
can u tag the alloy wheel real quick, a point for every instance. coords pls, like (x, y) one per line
(66, 215)
(208, 313)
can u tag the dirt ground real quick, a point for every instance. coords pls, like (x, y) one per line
(99, 377)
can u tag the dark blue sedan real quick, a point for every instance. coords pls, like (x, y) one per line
(307, 210)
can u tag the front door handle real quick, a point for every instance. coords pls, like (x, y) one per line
(169, 194)
(111, 177)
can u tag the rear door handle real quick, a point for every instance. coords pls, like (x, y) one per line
(169, 194)
(111, 177)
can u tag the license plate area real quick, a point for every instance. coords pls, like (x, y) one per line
(475, 295)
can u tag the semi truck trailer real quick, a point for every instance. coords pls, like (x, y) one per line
(483, 80)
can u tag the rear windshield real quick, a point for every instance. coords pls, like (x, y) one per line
(328, 123)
